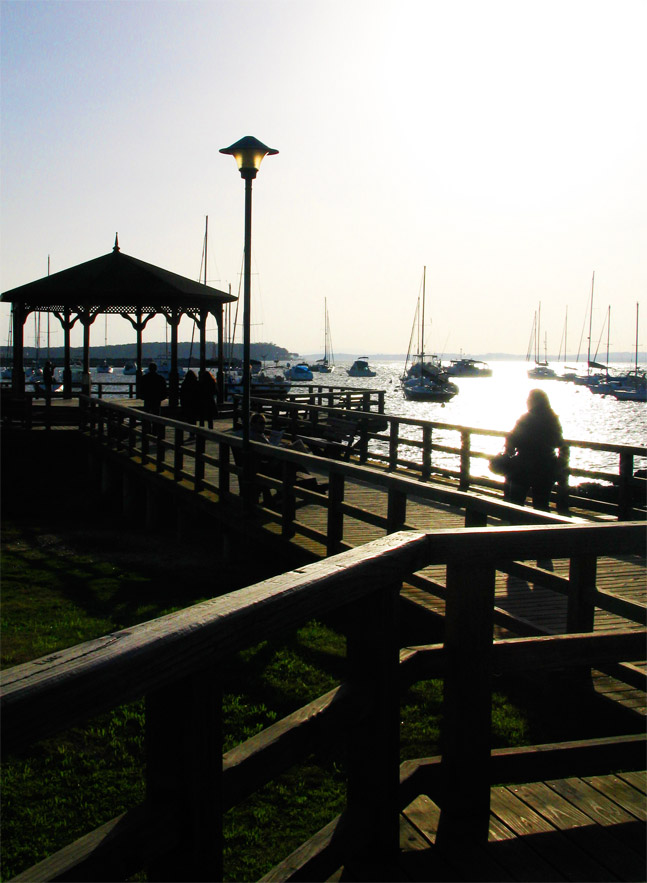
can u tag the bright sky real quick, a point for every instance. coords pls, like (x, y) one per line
(501, 143)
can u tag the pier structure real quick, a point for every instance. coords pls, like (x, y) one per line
(116, 284)
(429, 581)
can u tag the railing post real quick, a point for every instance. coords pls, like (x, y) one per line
(199, 463)
(467, 703)
(464, 483)
(335, 529)
(363, 440)
(178, 453)
(426, 452)
(160, 431)
(580, 616)
(393, 444)
(288, 502)
(396, 513)
(625, 490)
(224, 471)
(184, 772)
(374, 742)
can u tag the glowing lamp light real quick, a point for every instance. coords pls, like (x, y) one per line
(249, 153)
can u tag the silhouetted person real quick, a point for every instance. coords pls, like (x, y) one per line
(153, 390)
(190, 397)
(535, 439)
(48, 381)
(207, 408)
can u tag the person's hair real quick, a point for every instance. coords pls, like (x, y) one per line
(152, 367)
(538, 400)
(257, 418)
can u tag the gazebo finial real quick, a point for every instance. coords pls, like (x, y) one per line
(116, 245)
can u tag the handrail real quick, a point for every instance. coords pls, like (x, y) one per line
(410, 444)
(176, 661)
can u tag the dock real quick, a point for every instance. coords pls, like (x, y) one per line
(561, 593)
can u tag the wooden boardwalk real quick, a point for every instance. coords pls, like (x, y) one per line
(582, 828)
(579, 829)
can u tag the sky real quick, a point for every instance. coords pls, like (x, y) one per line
(501, 144)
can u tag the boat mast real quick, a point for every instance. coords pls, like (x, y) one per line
(588, 366)
(637, 340)
(608, 336)
(48, 314)
(206, 239)
(422, 330)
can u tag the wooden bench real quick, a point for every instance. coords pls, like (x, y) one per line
(337, 440)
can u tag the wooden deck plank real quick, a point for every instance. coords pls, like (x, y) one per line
(474, 864)
(521, 861)
(603, 811)
(624, 794)
(545, 838)
(606, 850)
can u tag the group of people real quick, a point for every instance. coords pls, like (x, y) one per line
(198, 395)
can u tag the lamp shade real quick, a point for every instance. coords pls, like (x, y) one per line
(249, 153)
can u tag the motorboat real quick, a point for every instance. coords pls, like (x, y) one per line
(360, 368)
(265, 384)
(130, 369)
(468, 368)
(104, 367)
(300, 371)
(164, 370)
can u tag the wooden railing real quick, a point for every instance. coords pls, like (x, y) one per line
(177, 662)
(460, 454)
(210, 471)
(364, 399)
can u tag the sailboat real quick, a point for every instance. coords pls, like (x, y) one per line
(425, 381)
(104, 366)
(327, 364)
(633, 387)
(541, 371)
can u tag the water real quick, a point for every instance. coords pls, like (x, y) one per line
(495, 403)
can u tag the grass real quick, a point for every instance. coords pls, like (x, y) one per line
(69, 583)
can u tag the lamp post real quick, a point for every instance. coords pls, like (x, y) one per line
(248, 153)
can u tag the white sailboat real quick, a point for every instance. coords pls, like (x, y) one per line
(425, 380)
(541, 371)
(327, 364)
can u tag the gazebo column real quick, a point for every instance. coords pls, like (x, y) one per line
(18, 370)
(138, 324)
(202, 325)
(220, 378)
(174, 385)
(67, 324)
(86, 319)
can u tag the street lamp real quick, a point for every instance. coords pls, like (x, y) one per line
(248, 153)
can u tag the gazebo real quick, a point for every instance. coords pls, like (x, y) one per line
(120, 284)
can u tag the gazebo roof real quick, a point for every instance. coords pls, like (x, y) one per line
(115, 283)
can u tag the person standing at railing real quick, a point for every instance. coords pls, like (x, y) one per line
(207, 391)
(153, 390)
(533, 443)
(190, 397)
(48, 381)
